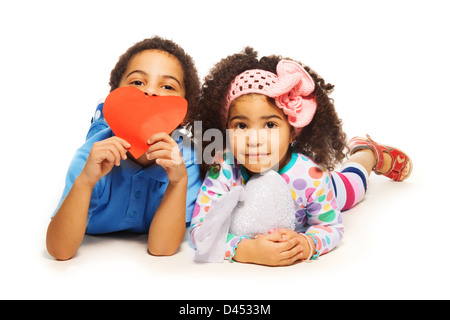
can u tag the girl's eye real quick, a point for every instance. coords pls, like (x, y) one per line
(270, 125)
(241, 126)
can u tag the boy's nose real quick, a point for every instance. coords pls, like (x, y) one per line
(150, 91)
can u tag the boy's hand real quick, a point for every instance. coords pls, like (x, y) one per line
(165, 151)
(102, 158)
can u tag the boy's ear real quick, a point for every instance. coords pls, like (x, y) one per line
(185, 121)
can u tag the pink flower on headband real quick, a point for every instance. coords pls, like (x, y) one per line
(292, 93)
(291, 87)
(290, 102)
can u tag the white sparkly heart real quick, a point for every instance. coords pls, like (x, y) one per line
(268, 205)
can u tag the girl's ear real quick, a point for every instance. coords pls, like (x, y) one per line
(293, 136)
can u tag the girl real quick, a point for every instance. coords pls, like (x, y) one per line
(109, 190)
(278, 115)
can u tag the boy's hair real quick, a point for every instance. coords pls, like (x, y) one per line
(190, 74)
(323, 139)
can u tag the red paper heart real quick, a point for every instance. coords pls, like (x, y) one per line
(135, 116)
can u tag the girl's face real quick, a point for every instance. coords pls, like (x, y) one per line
(155, 72)
(259, 133)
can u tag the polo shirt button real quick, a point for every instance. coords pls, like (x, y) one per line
(137, 194)
(132, 213)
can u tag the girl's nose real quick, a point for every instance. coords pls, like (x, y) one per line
(255, 137)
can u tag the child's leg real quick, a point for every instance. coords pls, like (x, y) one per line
(367, 156)
(350, 184)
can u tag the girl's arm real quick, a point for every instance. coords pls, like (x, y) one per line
(66, 229)
(217, 183)
(168, 226)
(324, 221)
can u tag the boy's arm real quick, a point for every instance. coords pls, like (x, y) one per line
(66, 229)
(168, 226)
(169, 223)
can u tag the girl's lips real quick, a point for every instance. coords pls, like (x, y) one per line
(257, 154)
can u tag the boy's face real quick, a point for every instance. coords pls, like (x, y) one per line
(155, 72)
(259, 133)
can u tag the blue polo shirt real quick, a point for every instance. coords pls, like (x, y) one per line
(127, 198)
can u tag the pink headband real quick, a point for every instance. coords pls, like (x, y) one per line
(291, 87)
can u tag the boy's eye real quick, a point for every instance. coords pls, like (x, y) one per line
(137, 83)
(270, 125)
(168, 87)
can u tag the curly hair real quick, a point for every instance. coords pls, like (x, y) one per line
(190, 74)
(323, 139)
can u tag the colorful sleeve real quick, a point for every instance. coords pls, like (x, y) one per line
(217, 183)
(323, 217)
(194, 182)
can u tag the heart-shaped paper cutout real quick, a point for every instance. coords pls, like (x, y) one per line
(135, 116)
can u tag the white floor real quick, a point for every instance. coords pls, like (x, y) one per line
(368, 264)
(390, 68)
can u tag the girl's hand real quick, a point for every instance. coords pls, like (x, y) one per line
(165, 151)
(305, 246)
(274, 249)
(102, 158)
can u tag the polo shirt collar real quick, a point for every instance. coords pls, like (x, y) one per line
(155, 171)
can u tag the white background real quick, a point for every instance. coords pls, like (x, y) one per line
(388, 61)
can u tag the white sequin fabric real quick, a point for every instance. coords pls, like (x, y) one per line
(268, 205)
